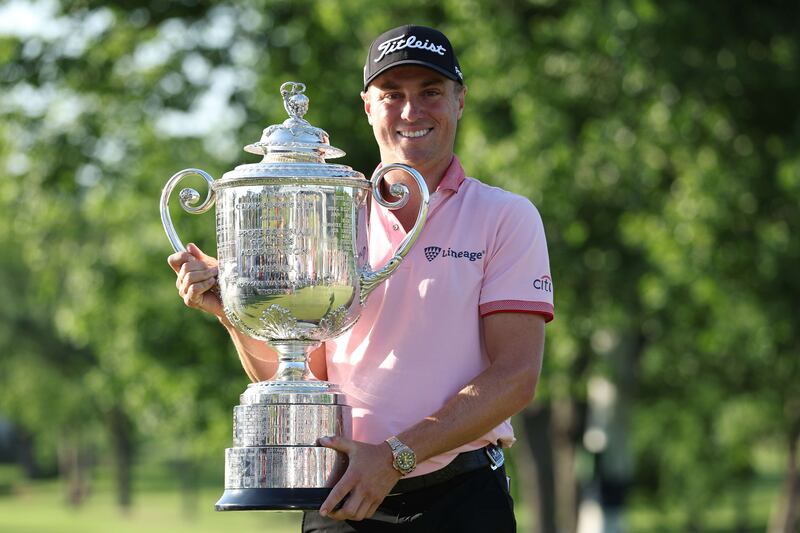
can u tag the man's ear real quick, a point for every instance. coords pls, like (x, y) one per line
(461, 94)
(365, 99)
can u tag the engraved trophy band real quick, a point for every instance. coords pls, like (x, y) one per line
(294, 271)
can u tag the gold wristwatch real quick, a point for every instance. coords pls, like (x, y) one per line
(405, 460)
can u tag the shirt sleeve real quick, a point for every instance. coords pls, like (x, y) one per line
(517, 271)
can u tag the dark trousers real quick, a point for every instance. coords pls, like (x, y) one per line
(476, 501)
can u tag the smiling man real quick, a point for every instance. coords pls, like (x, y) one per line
(450, 346)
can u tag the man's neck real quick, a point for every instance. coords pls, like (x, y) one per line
(432, 174)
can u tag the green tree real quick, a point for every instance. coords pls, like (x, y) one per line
(660, 143)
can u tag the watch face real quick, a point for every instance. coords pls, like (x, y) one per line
(406, 460)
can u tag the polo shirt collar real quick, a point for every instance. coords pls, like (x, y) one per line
(453, 177)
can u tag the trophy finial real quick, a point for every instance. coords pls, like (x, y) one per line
(295, 139)
(294, 101)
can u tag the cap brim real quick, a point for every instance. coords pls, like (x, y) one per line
(402, 62)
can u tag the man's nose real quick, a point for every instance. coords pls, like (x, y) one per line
(411, 110)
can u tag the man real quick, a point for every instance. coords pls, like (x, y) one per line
(450, 346)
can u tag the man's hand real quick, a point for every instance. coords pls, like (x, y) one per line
(366, 482)
(196, 276)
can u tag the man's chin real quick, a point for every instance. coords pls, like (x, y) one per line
(413, 159)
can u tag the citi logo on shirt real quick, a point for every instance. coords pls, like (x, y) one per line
(432, 252)
(544, 283)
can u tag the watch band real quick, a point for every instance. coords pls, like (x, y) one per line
(394, 443)
(404, 458)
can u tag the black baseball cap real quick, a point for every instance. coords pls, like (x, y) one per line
(412, 45)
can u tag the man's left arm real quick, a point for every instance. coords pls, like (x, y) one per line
(515, 344)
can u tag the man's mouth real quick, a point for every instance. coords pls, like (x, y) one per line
(415, 134)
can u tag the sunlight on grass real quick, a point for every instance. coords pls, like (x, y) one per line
(40, 508)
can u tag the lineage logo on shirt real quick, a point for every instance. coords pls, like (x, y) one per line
(432, 252)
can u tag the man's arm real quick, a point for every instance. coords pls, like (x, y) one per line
(515, 344)
(196, 275)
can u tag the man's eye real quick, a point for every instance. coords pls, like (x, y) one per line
(391, 96)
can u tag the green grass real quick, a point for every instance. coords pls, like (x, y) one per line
(159, 507)
(39, 508)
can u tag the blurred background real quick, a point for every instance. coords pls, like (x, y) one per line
(659, 140)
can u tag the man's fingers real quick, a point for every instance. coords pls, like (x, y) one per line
(349, 508)
(197, 276)
(195, 250)
(176, 260)
(340, 444)
(356, 507)
(363, 509)
(345, 485)
(193, 295)
(372, 509)
(193, 256)
(187, 277)
(337, 494)
(194, 266)
(366, 481)
(200, 287)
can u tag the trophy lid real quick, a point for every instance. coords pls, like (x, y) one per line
(296, 139)
(294, 152)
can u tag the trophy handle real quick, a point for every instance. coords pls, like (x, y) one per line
(188, 197)
(369, 278)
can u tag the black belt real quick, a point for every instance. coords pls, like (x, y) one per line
(464, 462)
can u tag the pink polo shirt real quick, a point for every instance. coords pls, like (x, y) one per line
(418, 342)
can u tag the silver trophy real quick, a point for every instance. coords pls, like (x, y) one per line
(293, 271)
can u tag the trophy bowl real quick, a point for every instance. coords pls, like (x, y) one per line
(294, 271)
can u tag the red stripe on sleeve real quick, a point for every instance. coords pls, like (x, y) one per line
(517, 306)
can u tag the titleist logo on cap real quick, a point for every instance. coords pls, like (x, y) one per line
(411, 45)
(399, 43)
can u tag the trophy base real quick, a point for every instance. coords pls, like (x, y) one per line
(304, 499)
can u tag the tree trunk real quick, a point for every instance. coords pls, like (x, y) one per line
(121, 430)
(743, 508)
(607, 435)
(616, 460)
(26, 455)
(73, 466)
(785, 518)
(538, 476)
(563, 425)
(186, 472)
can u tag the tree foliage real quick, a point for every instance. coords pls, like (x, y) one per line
(659, 141)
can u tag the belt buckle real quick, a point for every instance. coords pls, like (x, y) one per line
(495, 455)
